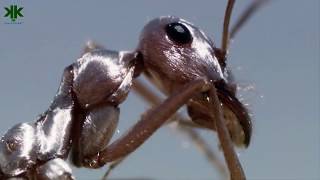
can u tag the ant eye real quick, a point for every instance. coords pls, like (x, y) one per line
(178, 33)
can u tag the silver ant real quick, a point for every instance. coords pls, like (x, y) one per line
(177, 57)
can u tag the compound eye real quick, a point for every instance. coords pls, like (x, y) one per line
(178, 33)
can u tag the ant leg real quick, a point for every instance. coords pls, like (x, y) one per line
(112, 166)
(153, 99)
(205, 149)
(230, 155)
(185, 126)
(150, 121)
(148, 95)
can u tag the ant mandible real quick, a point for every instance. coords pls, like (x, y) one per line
(175, 56)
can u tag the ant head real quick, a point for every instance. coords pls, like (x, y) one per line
(179, 50)
(176, 52)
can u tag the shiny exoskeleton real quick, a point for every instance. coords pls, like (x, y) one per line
(95, 84)
(176, 56)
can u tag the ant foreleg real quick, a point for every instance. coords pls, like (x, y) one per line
(223, 134)
(149, 123)
(236, 171)
(184, 126)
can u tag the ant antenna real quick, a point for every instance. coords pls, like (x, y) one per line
(225, 33)
(245, 16)
(254, 7)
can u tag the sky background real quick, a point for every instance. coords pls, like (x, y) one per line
(276, 55)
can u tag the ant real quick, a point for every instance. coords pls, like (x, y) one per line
(177, 57)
